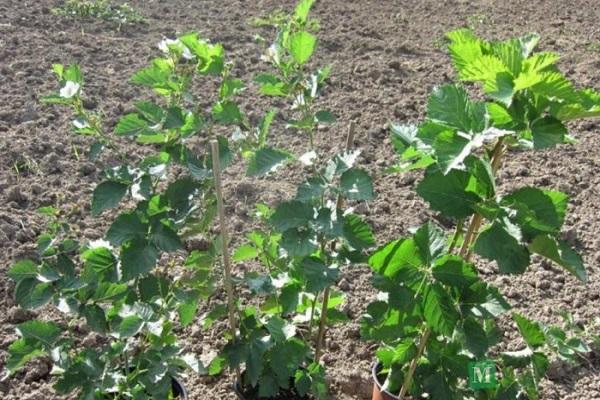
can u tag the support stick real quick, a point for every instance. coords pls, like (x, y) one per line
(214, 145)
(339, 204)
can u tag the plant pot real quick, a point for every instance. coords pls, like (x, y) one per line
(378, 392)
(178, 389)
(243, 395)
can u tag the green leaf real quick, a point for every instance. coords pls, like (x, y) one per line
(230, 87)
(396, 256)
(30, 293)
(137, 257)
(130, 326)
(302, 10)
(312, 188)
(431, 242)
(99, 259)
(498, 244)
(448, 193)
(452, 270)
(95, 318)
(245, 252)
(356, 184)
(270, 85)
(438, 309)
(126, 226)
(132, 125)
(153, 76)
(449, 105)
(46, 333)
(23, 269)
(165, 238)
(357, 232)
(318, 275)
(280, 329)
(266, 160)
(547, 132)
(227, 113)
(476, 338)
(538, 210)
(291, 214)
(22, 351)
(301, 46)
(187, 312)
(108, 291)
(107, 195)
(560, 253)
(299, 242)
(325, 117)
(532, 331)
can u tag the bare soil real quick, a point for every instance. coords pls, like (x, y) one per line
(386, 57)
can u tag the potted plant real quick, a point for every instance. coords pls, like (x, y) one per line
(136, 288)
(435, 317)
(305, 240)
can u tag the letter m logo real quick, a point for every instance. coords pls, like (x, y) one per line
(482, 375)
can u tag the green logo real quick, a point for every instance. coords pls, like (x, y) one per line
(482, 375)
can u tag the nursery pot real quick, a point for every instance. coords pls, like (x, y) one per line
(242, 395)
(378, 392)
(178, 389)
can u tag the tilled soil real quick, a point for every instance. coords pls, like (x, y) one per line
(386, 57)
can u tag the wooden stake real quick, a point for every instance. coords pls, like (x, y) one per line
(214, 145)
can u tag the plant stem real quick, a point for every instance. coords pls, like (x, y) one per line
(477, 219)
(413, 364)
(339, 203)
(465, 253)
(214, 144)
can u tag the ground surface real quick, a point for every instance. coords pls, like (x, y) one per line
(386, 57)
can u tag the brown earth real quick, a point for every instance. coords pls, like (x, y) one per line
(386, 56)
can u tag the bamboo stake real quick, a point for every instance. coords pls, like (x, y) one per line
(339, 203)
(214, 145)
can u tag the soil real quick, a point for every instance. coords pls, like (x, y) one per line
(386, 57)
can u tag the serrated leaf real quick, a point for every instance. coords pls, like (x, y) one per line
(449, 105)
(318, 275)
(299, 242)
(20, 352)
(132, 125)
(530, 330)
(311, 189)
(453, 271)
(130, 326)
(357, 232)
(560, 253)
(46, 333)
(227, 113)
(137, 257)
(291, 214)
(23, 269)
(438, 309)
(165, 238)
(356, 184)
(245, 252)
(267, 160)
(31, 293)
(301, 46)
(396, 256)
(498, 244)
(126, 226)
(547, 132)
(107, 195)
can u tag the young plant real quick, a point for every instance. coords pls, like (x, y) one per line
(123, 14)
(304, 244)
(435, 314)
(138, 285)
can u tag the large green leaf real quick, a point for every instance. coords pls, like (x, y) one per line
(299, 242)
(126, 226)
(318, 275)
(499, 244)
(46, 333)
(538, 210)
(452, 270)
(395, 256)
(165, 238)
(130, 326)
(532, 331)
(356, 184)
(291, 214)
(430, 240)
(107, 195)
(439, 311)
(137, 257)
(23, 269)
(267, 160)
(132, 125)
(31, 293)
(449, 105)
(357, 232)
(547, 132)
(448, 193)
(559, 252)
(301, 46)
(22, 351)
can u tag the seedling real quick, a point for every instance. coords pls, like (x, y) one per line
(305, 240)
(132, 288)
(121, 14)
(435, 314)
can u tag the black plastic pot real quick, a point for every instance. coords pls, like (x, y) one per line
(178, 389)
(378, 392)
(239, 391)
